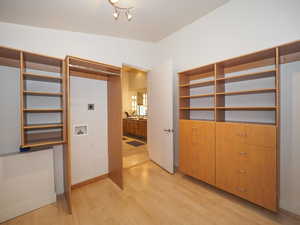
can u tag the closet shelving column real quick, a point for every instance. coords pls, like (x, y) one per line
(197, 85)
(42, 92)
(242, 71)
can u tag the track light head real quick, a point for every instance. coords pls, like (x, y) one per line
(116, 14)
(113, 1)
(129, 15)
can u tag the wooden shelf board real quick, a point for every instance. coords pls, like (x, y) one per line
(198, 108)
(42, 59)
(255, 91)
(246, 122)
(91, 65)
(248, 58)
(198, 96)
(202, 120)
(200, 84)
(38, 77)
(43, 143)
(42, 110)
(199, 70)
(42, 93)
(249, 76)
(42, 126)
(263, 108)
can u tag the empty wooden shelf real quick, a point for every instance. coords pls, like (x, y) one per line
(45, 78)
(249, 76)
(42, 126)
(198, 84)
(37, 93)
(247, 108)
(199, 108)
(42, 110)
(198, 96)
(49, 142)
(255, 91)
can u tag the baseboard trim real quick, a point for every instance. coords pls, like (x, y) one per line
(289, 213)
(89, 181)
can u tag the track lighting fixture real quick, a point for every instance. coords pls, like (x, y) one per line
(118, 9)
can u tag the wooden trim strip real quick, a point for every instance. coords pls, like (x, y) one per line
(89, 181)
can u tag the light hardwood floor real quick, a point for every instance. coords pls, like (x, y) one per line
(151, 196)
(134, 155)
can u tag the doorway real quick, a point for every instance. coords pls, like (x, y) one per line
(135, 116)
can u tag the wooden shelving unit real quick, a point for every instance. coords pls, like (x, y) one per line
(244, 107)
(212, 82)
(36, 68)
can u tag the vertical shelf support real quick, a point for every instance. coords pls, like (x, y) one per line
(277, 102)
(64, 101)
(22, 99)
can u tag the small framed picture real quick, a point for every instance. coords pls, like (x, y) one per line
(80, 130)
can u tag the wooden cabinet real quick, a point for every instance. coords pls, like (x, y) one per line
(197, 150)
(246, 162)
(236, 157)
(135, 127)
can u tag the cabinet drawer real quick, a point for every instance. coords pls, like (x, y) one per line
(257, 177)
(261, 135)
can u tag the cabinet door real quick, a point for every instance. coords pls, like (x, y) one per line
(258, 180)
(197, 147)
(261, 135)
(230, 148)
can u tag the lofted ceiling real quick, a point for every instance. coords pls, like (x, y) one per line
(152, 20)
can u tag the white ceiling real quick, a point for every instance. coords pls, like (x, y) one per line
(153, 19)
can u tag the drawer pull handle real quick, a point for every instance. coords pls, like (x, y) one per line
(242, 171)
(242, 189)
(244, 135)
(243, 153)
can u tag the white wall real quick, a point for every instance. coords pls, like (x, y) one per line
(27, 183)
(110, 50)
(9, 113)
(89, 152)
(236, 28)
(290, 133)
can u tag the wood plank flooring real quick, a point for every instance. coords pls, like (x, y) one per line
(151, 196)
(134, 155)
